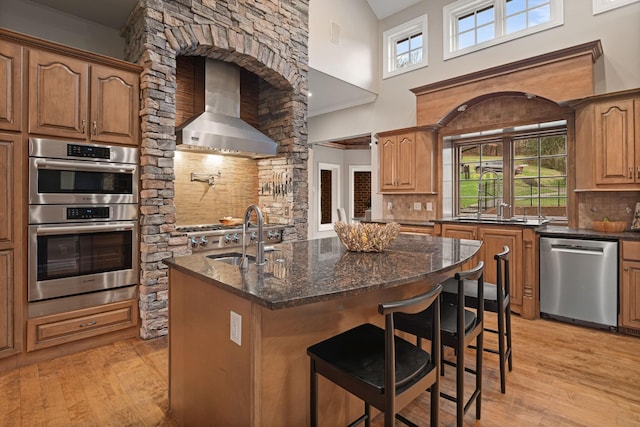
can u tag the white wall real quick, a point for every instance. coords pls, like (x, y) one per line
(344, 158)
(395, 106)
(40, 21)
(355, 57)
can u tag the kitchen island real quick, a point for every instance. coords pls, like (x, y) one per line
(238, 339)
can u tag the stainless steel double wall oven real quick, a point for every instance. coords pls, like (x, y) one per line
(83, 225)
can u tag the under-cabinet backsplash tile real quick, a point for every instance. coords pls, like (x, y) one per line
(616, 206)
(402, 207)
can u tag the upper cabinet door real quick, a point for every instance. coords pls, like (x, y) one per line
(10, 98)
(57, 95)
(387, 163)
(406, 162)
(114, 105)
(614, 143)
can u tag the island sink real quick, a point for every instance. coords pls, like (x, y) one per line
(231, 258)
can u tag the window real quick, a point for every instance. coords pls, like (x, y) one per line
(474, 25)
(405, 47)
(523, 168)
(600, 6)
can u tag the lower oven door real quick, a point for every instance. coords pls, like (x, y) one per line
(70, 259)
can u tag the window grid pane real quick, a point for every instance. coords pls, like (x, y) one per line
(538, 180)
(409, 51)
(477, 26)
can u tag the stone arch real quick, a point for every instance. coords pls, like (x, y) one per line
(500, 109)
(237, 47)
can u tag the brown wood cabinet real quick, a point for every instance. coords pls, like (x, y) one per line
(397, 166)
(630, 286)
(494, 240)
(523, 244)
(75, 325)
(70, 97)
(10, 245)
(10, 82)
(416, 229)
(608, 143)
(406, 161)
(615, 143)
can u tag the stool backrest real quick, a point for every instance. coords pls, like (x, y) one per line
(412, 305)
(503, 282)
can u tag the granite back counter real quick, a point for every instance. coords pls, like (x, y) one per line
(238, 339)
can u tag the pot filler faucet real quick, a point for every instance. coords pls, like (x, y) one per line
(260, 239)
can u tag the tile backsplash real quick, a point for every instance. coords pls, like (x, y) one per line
(235, 187)
(409, 206)
(617, 206)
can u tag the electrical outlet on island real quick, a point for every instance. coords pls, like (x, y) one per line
(417, 206)
(236, 328)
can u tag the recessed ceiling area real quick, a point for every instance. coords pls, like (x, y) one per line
(355, 143)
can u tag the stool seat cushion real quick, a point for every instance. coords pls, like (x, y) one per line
(420, 324)
(359, 352)
(490, 290)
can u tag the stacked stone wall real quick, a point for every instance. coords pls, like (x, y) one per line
(268, 38)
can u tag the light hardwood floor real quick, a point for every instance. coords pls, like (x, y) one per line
(563, 375)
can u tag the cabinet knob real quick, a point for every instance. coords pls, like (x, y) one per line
(83, 125)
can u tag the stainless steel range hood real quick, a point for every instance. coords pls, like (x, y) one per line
(219, 129)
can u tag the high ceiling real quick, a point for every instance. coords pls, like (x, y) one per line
(329, 93)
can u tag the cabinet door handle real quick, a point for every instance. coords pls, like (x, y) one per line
(83, 125)
(95, 127)
(630, 173)
(638, 175)
(84, 325)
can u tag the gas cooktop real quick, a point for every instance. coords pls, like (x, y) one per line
(214, 236)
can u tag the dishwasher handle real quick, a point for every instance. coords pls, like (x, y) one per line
(577, 249)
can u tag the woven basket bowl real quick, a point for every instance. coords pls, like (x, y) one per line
(609, 226)
(367, 237)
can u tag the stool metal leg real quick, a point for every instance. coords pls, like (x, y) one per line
(314, 394)
(501, 349)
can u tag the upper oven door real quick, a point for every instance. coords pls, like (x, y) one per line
(56, 181)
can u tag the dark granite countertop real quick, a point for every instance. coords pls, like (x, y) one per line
(586, 233)
(413, 222)
(530, 222)
(303, 272)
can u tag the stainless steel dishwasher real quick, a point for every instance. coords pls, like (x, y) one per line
(579, 281)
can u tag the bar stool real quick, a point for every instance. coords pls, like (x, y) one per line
(384, 370)
(459, 328)
(496, 300)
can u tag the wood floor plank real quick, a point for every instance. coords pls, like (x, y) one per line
(31, 405)
(564, 375)
(52, 395)
(10, 398)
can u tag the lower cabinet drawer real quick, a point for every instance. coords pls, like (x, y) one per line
(62, 328)
(416, 229)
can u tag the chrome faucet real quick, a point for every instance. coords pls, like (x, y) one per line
(501, 207)
(498, 189)
(260, 260)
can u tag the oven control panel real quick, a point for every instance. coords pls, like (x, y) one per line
(88, 213)
(75, 150)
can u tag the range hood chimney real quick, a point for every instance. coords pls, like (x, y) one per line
(219, 130)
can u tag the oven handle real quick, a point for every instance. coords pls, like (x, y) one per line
(49, 230)
(52, 164)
